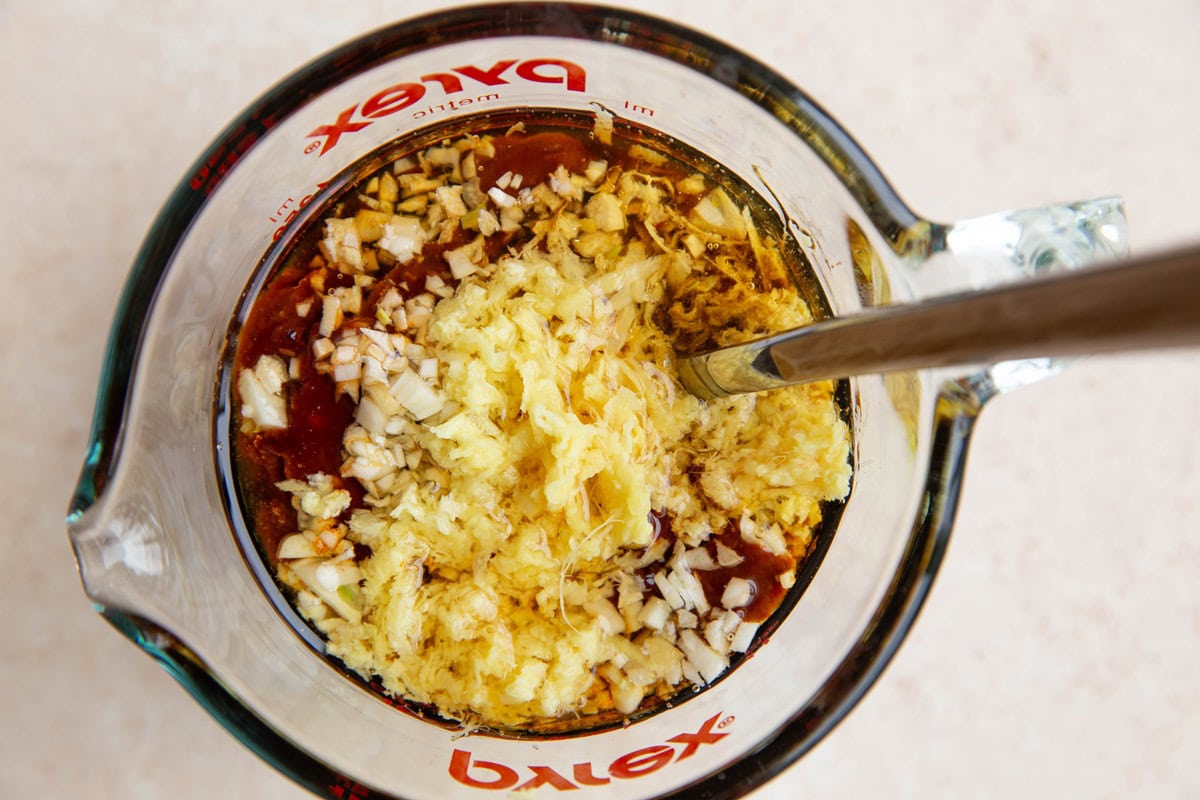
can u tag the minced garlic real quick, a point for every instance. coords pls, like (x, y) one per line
(520, 433)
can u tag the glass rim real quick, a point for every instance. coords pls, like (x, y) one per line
(926, 542)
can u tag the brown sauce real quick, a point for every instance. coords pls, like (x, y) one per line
(318, 415)
(536, 155)
(758, 566)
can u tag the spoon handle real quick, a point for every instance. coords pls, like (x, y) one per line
(1135, 304)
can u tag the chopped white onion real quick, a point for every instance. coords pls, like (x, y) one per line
(370, 416)
(460, 263)
(611, 621)
(500, 198)
(738, 593)
(691, 589)
(668, 590)
(323, 348)
(377, 337)
(655, 613)
(261, 390)
(699, 558)
(727, 556)
(714, 635)
(403, 237)
(595, 170)
(306, 570)
(347, 372)
(296, 545)
(416, 395)
(708, 662)
(743, 637)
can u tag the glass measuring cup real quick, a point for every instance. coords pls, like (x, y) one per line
(154, 528)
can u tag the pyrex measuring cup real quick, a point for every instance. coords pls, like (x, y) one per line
(159, 537)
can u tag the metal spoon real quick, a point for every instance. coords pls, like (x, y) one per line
(1136, 304)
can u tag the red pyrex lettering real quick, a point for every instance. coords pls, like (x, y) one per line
(402, 95)
(479, 774)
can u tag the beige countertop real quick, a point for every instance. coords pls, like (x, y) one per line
(1056, 655)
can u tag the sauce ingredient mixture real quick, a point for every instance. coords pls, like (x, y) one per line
(463, 445)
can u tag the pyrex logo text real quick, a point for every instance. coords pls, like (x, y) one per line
(470, 771)
(403, 95)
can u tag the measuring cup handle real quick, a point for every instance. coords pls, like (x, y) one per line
(1009, 246)
(999, 248)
